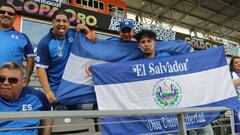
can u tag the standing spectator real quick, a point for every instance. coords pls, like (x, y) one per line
(146, 42)
(52, 54)
(235, 72)
(126, 31)
(15, 97)
(53, 51)
(14, 45)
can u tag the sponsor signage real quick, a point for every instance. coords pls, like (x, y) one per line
(45, 9)
(200, 44)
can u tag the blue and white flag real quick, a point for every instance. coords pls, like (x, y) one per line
(198, 79)
(77, 88)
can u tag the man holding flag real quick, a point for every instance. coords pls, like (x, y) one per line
(53, 52)
(146, 42)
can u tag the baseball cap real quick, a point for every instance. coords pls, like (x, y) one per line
(126, 23)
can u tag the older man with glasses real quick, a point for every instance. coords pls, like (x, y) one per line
(14, 97)
(15, 46)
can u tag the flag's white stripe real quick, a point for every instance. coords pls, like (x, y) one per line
(138, 95)
(75, 69)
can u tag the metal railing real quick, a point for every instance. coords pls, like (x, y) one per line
(100, 113)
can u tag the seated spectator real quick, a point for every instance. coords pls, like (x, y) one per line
(15, 96)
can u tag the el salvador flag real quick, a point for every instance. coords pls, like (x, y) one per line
(76, 86)
(199, 79)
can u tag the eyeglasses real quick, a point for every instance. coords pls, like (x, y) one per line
(2, 12)
(11, 80)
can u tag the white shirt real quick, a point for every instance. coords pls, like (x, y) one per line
(234, 77)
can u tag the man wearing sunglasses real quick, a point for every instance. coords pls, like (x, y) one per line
(14, 96)
(15, 46)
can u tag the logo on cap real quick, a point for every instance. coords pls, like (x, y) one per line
(126, 23)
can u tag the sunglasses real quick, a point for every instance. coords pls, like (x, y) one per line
(11, 80)
(2, 12)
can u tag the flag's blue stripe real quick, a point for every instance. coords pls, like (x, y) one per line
(105, 50)
(74, 93)
(114, 51)
(141, 127)
(122, 72)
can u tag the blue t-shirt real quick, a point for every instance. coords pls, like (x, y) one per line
(52, 54)
(14, 46)
(114, 39)
(162, 54)
(29, 100)
(118, 39)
